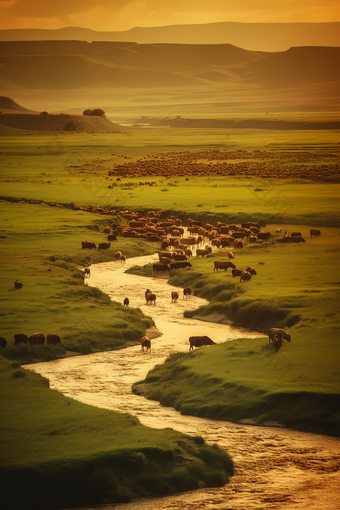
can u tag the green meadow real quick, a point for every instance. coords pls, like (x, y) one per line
(296, 287)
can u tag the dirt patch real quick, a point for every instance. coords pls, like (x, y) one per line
(219, 318)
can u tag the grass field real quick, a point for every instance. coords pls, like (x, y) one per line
(296, 286)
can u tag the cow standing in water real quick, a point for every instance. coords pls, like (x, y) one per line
(187, 291)
(145, 342)
(87, 272)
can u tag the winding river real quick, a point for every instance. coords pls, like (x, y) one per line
(275, 468)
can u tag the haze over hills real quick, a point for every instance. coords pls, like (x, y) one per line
(252, 36)
(79, 74)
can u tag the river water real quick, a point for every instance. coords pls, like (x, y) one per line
(275, 468)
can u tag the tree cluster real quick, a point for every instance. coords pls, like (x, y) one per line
(98, 112)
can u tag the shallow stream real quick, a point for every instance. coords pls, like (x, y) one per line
(275, 468)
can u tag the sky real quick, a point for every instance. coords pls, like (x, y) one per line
(117, 15)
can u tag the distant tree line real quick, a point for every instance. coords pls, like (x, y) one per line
(98, 112)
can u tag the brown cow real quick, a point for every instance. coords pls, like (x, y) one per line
(20, 338)
(223, 264)
(53, 339)
(165, 260)
(160, 268)
(104, 246)
(18, 284)
(236, 272)
(145, 342)
(231, 255)
(251, 270)
(118, 255)
(238, 243)
(126, 301)
(264, 236)
(277, 342)
(201, 252)
(315, 232)
(187, 291)
(88, 244)
(107, 230)
(198, 341)
(276, 331)
(37, 339)
(245, 276)
(150, 298)
(174, 297)
(87, 272)
(3, 342)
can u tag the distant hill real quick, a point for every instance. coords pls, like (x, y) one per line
(8, 105)
(252, 36)
(60, 65)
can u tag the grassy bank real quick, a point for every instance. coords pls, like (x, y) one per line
(57, 452)
(41, 246)
(296, 288)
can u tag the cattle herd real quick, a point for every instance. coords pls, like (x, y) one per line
(178, 246)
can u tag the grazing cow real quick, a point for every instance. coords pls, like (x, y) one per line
(201, 252)
(277, 331)
(236, 272)
(264, 236)
(104, 246)
(296, 234)
(180, 265)
(148, 291)
(174, 297)
(252, 238)
(187, 291)
(87, 272)
(231, 255)
(118, 255)
(53, 339)
(179, 257)
(18, 284)
(107, 230)
(223, 264)
(123, 258)
(126, 301)
(245, 276)
(150, 298)
(277, 342)
(251, 270)
(198, 341)
(238, 243)
(3, 342)
(88, 244)
(111, 237)
(165, 260)
(37, 339)
(315, 232)
(188, 252)
(145, 342)
(160, 268)
(20, 338)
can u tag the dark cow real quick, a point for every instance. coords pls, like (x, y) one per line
(202, 252)
(18, 284)
(278, 331)
(123, 258)
(107, 230)
(126, 301)
(188, 252)
(236, 272)
(264, 236)
(37, 339)
(145, 342)
(223, 264)
(165, 260)
(87, 272)
(187, 291)
(104, 246)
(174, 296)
(88, 244)
(198, 341)
(178, 257)
(52, 339)
(3, 342)
(238, 243)
(251, 270)
(160, 268)
(150, 298)
(245, 276)
(180, 265)
(315, 232)
(296, 234)
(20, 338)
(111, 237)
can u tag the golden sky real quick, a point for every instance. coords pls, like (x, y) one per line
(106, 15)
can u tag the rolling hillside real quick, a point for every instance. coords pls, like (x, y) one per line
(72, 64)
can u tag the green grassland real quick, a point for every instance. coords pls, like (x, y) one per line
(66, 453)
(296, 287)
